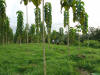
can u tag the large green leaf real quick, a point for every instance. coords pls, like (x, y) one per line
(2, 9)
(48, 14)
(36, 2)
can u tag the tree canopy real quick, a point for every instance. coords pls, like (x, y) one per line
(79, 13)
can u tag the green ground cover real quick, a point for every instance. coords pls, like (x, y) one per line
(28, 60)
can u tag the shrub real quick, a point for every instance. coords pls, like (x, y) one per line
(91, 43)
(61, 43)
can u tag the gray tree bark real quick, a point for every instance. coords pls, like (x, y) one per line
(27, 22)
(44, 56)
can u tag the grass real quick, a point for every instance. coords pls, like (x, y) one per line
(28, 60)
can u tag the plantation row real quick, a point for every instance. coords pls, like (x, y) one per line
(37, 32)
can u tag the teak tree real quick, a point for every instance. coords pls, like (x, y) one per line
(66, 23)
(44, 53)
(37, 15)
(19, 29)
(37, 22)
(27, 25)
(48, 19)
(37, 3)
(2, 19)
(79, 14)
(78, 29)
(6, 28)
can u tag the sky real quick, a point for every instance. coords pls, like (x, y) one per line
(92, 8)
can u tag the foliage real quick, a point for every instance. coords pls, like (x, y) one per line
(32, 33)
(37, 18)
(61, 31)
(2, 19)
(27, 25)
(91, 43)
(6, 32)
(61, 35)
(94, 33)
(66, 18)
(79, 13)
(36, 2)
(72, 36)
(54, 35)
(25, 2)
(41, 31)
(37, 21)
(19, 30)
(2, 9)
(48, 18)
(48, 14)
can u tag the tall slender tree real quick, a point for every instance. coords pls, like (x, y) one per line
(37, 22)
(48, 19)
(32, 33)
(27, 25)
(37, 15)
(10, 36)
(78, 30)
(61, 31)
(41, 30)
(44, 55)
(6, 29)
(37, 3)
(66, 23)
(72, 32)
(19, 29)
(2, 19)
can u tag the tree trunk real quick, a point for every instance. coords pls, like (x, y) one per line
(68, 36)
(79, 35)
(3, 35)
(6, 38)
(3, 40)
(68, 42)
(88, 39)
(44, 56)
(49, 38)
(20, 40)
(49, 42)
(79, 40)
(38, 34)
(27, 37)
(27, 22)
